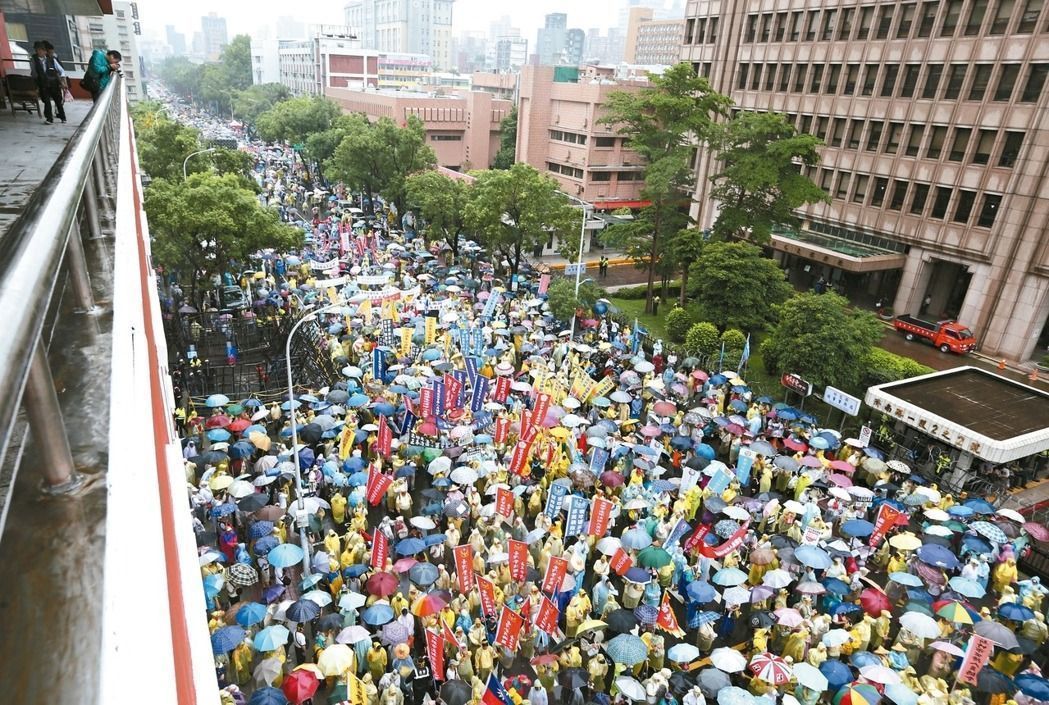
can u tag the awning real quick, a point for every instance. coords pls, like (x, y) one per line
(837, 252)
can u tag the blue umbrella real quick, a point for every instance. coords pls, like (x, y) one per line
(857, 528)
(837, 673)
(268, 696)
(423, 574)
(960, 510)
(966, 587)
(705, 451)
(216, 400)
(872, 452)
(223, 510)
(1033, 686)
(706, 617)
(255, 428)
(813, 557)
(937, 555)
(272, 593)
(700, 591)
(1016, 612)
(787, 414)
(718, 379)
(636, 539)
(266, 544)
(356, 401)
(284, 555)
(845, 608)
(241, 449)
(251, 403)
(385, 408)
(226, 639)
(900, 694)
(357, 479)
(836, 587)
(218, 435)
(260, 529)
(303, 610)
(906, 579)
(355, 571)
(289, 405)
(976, 544)
(434, 539)
(409, 547)
(377, 615)
(681, 442)
(250, 614)
(864, 658)
(979, 505)
(638, 575)
(819, 443)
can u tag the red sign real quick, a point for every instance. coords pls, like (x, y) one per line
(795, 383)
(435, 651)
(555, 575)
(380, 549)
(449, 637)
(887, 517)
(621, 562)
(464, 570)
(546, 620)
(696, 539)
(526, 425)
(976, 657)
(544, 284)
(518, 560)
(385, 440)
(519, 459)
(728, 546)
(510, 624)
(667, 620)
(542, 405)
(426, 401)
(528, 435)
(502, 430)
(501, 389)
(371, 478)
(381, 483)
(504, 502)
(487, 590)
(452, 389)
(600, 512)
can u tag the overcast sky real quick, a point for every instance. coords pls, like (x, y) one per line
(245, 16)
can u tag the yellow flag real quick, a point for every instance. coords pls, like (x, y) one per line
(389, 310)
(346, 442)
(333, 295)
(447, 344)
(431, 330)
(365, 309)
(406, 341)
(355, 689)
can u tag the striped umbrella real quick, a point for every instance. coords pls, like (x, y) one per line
(627, 650)
(226, 639)
(770, 668)
(857, 694)
(989, 531)
(242, 575)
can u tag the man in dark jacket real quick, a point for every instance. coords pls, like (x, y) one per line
(49, 75)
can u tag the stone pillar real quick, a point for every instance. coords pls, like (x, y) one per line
(913, 283)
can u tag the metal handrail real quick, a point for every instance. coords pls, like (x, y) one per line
(33, 250)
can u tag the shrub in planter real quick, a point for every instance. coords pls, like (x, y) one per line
(678, 322)
(734, 341)
(701, 339)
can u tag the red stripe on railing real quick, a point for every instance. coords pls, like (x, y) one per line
(183, 658)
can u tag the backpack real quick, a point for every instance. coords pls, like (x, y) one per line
(91, 82)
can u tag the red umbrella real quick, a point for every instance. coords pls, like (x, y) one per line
(217, 421)
(735, 429)
(238, 425)
(382, 584)
(1039, 532)
(842, 466)
(404, 565)
(664, 408)
(611, 478)
(794, 444)
(300, 685)
(874, 601)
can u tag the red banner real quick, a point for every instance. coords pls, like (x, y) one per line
(487, 590)
(464, 567)
(501, 389)
(502, 430)
(542, 405)
(435, 652)
(381, 483)
(526, 426)
(518, 560)
(621, 562)
(976, 657)
(547, 618)
(728, 546)
(887, 517)
(667, 620)
(371, 478)
(696, 539)
(385, 440)
(504, 501)
(555, 575)
(519, 459)
(600, 513)
(528, 435)
(449, 636)
(544, 284)
(380, 549)
(426, 402)
(452, 389)
(509, 631)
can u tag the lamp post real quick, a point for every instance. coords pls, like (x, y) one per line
(579, 261)
(300, 515)
(193, 154)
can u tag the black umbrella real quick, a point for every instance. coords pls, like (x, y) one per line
(456, 692)
(330, 621)
(712, 680)
(310, 433)
(681, 683)
(762, 618)
(782, 541)
(573, 678)
(992, 681)
(621, 621)
(252, 503)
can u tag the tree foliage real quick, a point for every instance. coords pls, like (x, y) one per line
(678, 321)
(701, 339)
(216, 84)
(882, 366)
(760, 183)
(507, 154)
(736, 286)
(517, 209)
(296, 119)
(253, 101)
(819, 337)
(563, 301)
(182, 76)
(441, 202)
(163, 144)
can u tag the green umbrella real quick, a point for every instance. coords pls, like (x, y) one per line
(653, 557)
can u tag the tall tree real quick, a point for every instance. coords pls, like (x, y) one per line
(662, 123)
(507, 154)
(181, 75)
(252, 102)
(441, 201)
(736, 286)
(296, 119)
(408, 154)
(236, 62)
(518, 209)
(163, 144)
(760, 182)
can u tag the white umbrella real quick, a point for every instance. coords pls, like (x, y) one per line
(736, 512)
(836, 637)
(609, 545)
(921, 625)
(738, 595)
(810, 677)
(351, 601)
(777, 579)
(630, 688)
(422, 522)
(241, 489)
(876, 673)
(1011, 514)
(728, 660)
(321, 598)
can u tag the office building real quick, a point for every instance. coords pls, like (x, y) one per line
(62, 30)
(501, 84)
(290, 28)
(935, 118)
(330, 58)
(551, 39)
(404, 26)
(511, 53)
(176, 41)
(575, 41)
(265, 61)
(214, 35)
(650, 41)
(121, 31)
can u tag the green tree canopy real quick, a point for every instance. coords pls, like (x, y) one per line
(181, 75)
(819, 337)
(236, 62)
(507, 154)
(253, 101)
(204, 223)
(517, 209)
(563, 301)
(441, 201)
(296, 119)
(761, 183)
(163, 144)
(735, 286)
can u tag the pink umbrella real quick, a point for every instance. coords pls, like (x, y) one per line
(840, 480)
(811, 461)
(664, 408)
(700, 375)
(842, 466)
(788, 617)
(794, 444)
(735, 429)
(650, 431)
(1039, 532)
(404, 565)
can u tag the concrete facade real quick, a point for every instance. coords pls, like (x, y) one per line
(551, 38)
(558, 133)
(214, 34)
(650, 41)
(936, 126)
(331, 58)
(405, 26)
(462, 129)
(501, 85)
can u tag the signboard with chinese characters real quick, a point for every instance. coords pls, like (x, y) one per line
(840, 400)
(795, 383)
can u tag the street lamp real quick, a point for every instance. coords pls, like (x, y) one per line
(300, 517)
(579, 261)
(193, 154)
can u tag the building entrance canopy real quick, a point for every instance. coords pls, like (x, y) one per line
(841, 253)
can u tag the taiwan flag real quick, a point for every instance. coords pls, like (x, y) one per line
(495, 693)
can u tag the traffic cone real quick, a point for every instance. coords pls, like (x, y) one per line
(1001, 364)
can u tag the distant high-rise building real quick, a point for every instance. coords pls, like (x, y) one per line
(468, 51)
(551, 38)
(290, 28)
(650, 41)
(511, 53)
(120, 31)
(575, 39)
(265, 61)
(213, 31)
(176, 41)
(410, 26)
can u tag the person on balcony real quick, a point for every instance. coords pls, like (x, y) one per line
(100, 70)
(50, 78)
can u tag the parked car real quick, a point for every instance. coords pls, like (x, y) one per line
(233, 298)
(948, 336)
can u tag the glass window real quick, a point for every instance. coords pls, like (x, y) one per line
(821, 127)
(805, 125)
(1011, 149)
(960, 144)
(852, 74)
(605, 142)
(1029, 18)
(811, 25)
(928, 18)
(1006, 82)
(885, 13)
(878, 192)
(1035, 81)
(712, 35)
(964, 208)
(601, 176)
(874, 136)
(816, 81)
(837, 132)
(770, 76)
(826, 179)
(981, 78)
(784, 77)
(800, 73)
(888, 84)
(921, 194)
(892, 141)
(845, 26)
(943, 200)
(899, 194)
(796, 19)
(914, 140)
(903, 29)
(830, 18)
(859, 192)
(863, 32)
(936, 140)
(951, 17)
(955, 79)
(1003, 12)
(984, 146)
(766, 27)
(690, 30)
(832, 80)
(755, 77)
(741, 80)
(855, 132)
(989, 210)
(870, 77)
(842, 190)
(910, 80)
(976, 15)
(932, 81)
(781, 26)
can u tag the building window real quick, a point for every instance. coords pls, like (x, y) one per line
(981, 78)
(1006, 82)
(446, 138)
(844, 178)
(770, 76)
(984, 146)
(1003, 12)
(833, 78)
(1011, 149)
(962, 211)
(601, 176)
(935, 148)
(914, 140)
(870, 77)
(570, 137)
(888, 85)
(855, 133)
(892, 141)
(755, 77)
(866, 18)
(845, 26)
(932, 81)
(885, 13)
(943, 200)
(852, 74)
(752, 29)
(903, 30)
(878, 193)
(800, 74)
(859, 193)
(951, 18)
(910, 80)
(976, 15)
(928, 18)
(781, 26)
(829, 17)
(955, 79)
(741, 80)
(766, 26)
(796, 19)
(604, 142)
(899, 195)
(816, 81)
(1035, 81)
(1029, 18)
(921, 194)
(712, 33)
(837, 132)
(821, 127)
(784, 77)
(811, 25)
(874, 136)
(989, 210)
(960, 144)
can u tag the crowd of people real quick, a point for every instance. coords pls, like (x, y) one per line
(480, 509)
